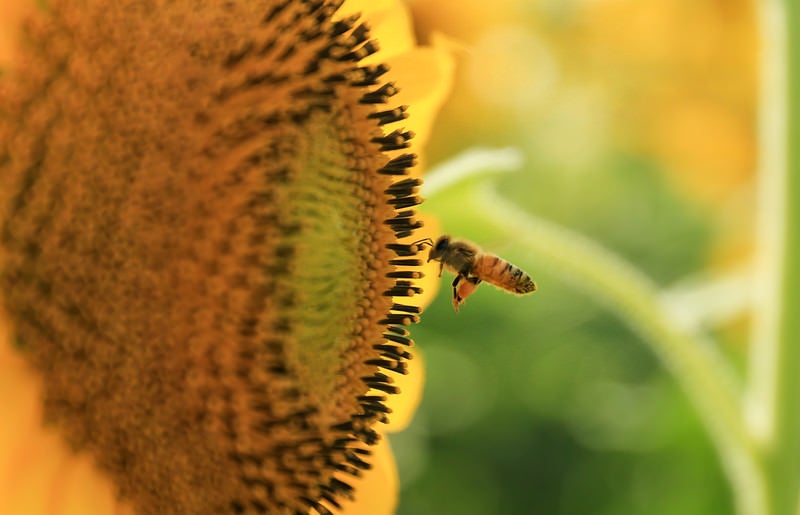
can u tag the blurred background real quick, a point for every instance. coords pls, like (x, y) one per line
(636, 124)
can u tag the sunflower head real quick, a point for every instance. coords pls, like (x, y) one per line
(201, 214)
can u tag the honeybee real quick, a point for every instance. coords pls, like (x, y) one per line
(473, 266)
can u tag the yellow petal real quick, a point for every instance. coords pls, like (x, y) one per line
(85, 492)
(31, 475)
(39, 475)
(30, 459)
(377, 490)
(390, 22)
(18, 403)
(404, 406)
(424, 77)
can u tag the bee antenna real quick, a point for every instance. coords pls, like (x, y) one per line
(423, 242)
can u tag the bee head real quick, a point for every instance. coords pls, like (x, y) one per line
(439, 248)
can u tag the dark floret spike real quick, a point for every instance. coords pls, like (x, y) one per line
(401, 358)
(348, 469)
(404, 202)
(328, 496)
(369, 436)
(382, 363)
(405, 274)
(365, 50)
(404, 187)
(398, 330)
(376, 407)
(402, 250)
(407, 290)
(409, 284)
(341, 487)
(401, 222)
(321, 11)
(406, 228)
(360, 34)
(406, 160)
(405, 262)
(344, 427)
(381, 385)
(395, 140)
(366, 76)
(402, 339)
(399, 165)
(399, 291)
(380, 95)
(372, 398)
(392, 352)
(400, 319)
(390, 115)
(393, 170)
(392, 365)
(366, 418)
(321, 509)
(353, 459)
(333, 5)
(343, 25)
(345, 444)
(380, 377)
(406, 308)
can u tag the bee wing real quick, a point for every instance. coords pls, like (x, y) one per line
(464, 251)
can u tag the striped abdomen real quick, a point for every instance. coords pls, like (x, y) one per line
(499, 272)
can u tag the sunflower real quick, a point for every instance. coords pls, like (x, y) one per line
(208, 255)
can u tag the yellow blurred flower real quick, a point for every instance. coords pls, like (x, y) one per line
(672, 80)
(684, 77)
(39, 474)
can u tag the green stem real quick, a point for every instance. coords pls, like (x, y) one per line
(775, 358)
(696, 364)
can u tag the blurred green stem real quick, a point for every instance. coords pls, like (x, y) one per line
(694, 360)
(774, 389)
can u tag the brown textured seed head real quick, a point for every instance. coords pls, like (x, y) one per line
(199, 212)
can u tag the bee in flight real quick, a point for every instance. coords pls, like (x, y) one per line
(473, 266)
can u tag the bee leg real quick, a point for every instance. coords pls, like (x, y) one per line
(457, 300)
(463, 287)
(441, 267)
